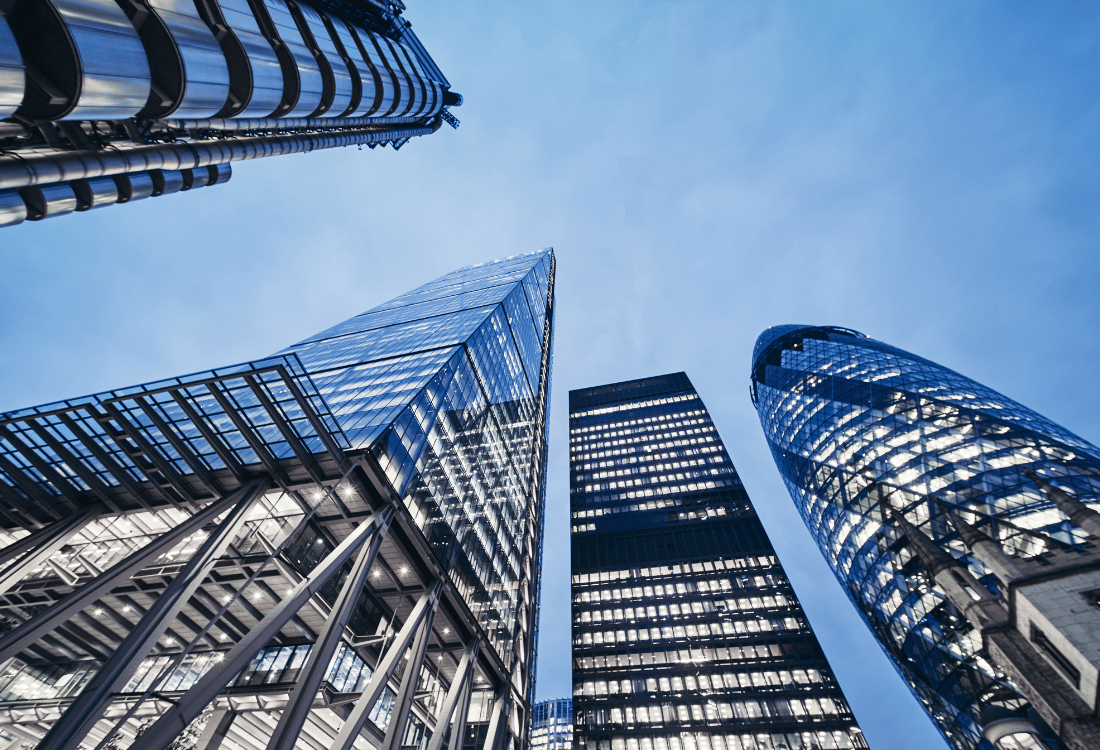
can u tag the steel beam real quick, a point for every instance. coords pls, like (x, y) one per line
(67, 606)
(308, 463)
(73, 726)
(320, 656)
(384, 669)
(174, 438)
(225, 453)
(457, 696)
(399, 717)
(498, 722)
(192, 703)
(39, 547)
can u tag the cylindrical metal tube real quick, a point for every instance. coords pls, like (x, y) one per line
(286, 123)
(47, 166)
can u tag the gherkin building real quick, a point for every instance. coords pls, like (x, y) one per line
(863, 434)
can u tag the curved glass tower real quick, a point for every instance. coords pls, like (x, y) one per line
(863, 432)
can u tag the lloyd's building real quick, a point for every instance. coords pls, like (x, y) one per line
(114, 101)
(335, 547)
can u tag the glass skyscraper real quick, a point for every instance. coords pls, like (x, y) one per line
(687, 634)
(885, 452)
(338, 546)
(112, 101)
(552, 725)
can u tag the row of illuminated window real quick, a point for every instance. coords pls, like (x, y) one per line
(683, 429)
(815, 740)
(691, 481)
(661, 502)
(790, 679)
(691, 630)
(642, 454)
(674, 419)
(679, 588)
(691, 657)
(646, 451)
(663, 425)
(646, 443)
(690, 515)
(635, 465)
(629, 405)
(705, 606)
(737, 563)
(680, 714)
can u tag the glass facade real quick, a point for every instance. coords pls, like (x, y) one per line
(447, 386)
(424, 416)
(853, 423)
(687, 634)
(552, 725)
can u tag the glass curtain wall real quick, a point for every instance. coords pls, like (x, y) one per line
(687, 634)
(852, 422)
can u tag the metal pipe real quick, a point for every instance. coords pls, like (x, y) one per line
(353, 724)
(285, 123)
(81, 716)
(46, 166)
(309, 680)
(194, 701)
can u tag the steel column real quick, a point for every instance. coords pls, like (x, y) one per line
(82, 715)
(40, 547)
(192, 703)
(498, 722)
(399, 718)
(358, 716)
(216, 728)
(457, 696)
(66, 607)
(320, 656)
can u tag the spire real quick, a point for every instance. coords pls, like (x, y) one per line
(983, 547)
(1080, 514)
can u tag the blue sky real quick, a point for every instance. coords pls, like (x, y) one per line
(923, 172)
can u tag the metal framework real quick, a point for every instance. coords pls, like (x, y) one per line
(202, 587)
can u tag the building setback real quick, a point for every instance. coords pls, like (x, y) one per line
(113, 101)
(687, 634)
(552, 725)
(959, 523)
(337, 546)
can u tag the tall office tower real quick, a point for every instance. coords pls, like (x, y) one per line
(552, 725)
(955, 518)
(687, 634)
(112, 101)
(335, 547)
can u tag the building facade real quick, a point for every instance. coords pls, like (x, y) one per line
(112, 101)
(552, 725)
(956, 519)
(336, 547)
(687, 634)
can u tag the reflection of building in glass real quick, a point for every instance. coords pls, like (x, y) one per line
(687, 634)
(112, 101)
(939, 503)
(337, 545)
(552, 725)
